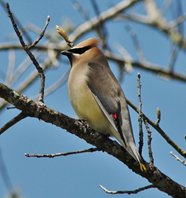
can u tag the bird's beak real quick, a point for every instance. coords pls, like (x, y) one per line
(68, 54)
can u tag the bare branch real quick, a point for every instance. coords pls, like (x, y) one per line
(41, 34)
(145, 66)
(104, 16)
(149, 67)
(81, 10)
(136, 43)
(140, 115)
(23, 67)
(4, 172)
(12, 122)
(129, 192)
(158, 113)
(178, 159)
(37, 30)
(65, 36)
(180, 28)
(27, 50)
(11, 66)
(161, 25)
(57, 84)
(33, 109)
(28, 38)
(90, 150)
(179, 20)
(100, 29)
(31, 78)
(174, 54)
(159, 130)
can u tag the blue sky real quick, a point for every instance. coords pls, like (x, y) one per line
(81, 175)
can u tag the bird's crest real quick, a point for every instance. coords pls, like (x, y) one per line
(92, 42)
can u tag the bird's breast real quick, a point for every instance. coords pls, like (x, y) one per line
(83, 100)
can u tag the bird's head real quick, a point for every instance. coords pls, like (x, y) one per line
(84, 51)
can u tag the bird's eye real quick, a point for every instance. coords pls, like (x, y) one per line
(79, 50)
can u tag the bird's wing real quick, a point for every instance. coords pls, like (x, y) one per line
(110, 98)
(112, 102)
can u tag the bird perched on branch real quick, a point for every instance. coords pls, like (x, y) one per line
(97, 97)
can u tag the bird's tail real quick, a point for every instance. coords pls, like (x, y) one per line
(135, 154)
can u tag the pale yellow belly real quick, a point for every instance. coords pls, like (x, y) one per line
(87, 108)
(85, 105)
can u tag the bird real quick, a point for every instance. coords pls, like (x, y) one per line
(97, 97)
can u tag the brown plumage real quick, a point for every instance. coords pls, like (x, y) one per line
(97, 97)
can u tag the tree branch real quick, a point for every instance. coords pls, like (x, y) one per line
(159, 130)
(161, 25)
(27, 50)
(90, 150)
(178, 159)
(145, 66)
(31, 79)
(80, 129)
(129, 192)
(41, 34)
(104, 16)
(149, 67)
(12, 122)
(140, 115)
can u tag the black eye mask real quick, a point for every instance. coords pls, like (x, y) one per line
(79, 50)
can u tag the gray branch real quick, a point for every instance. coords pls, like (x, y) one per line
(80, 129)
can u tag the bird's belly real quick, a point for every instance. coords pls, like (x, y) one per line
(87, 108)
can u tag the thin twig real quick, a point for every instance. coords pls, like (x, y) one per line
(165, 6)
(83, 12)
(37, 30)
(90, 150)
(104, 16)
(27, 50)
(159, 130)
(33, 109)
(4, 172)
(31, 78)
(151, 164)
(136, 43)
(129, 192)
(178, 159)
(12, 122)
(158, 113)
(179, 20)
(65, 36)
(23, 67)
(41, 34)
(123, 67)
(180, 16)
(57, 84)
(147, 66)
(10, 70)
(26, 35)
(174, 54)
(161, 25)
(100, 28)
(180, 28)
(140, 116)
(8, 108)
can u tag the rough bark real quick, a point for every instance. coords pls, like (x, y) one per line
(80, 129)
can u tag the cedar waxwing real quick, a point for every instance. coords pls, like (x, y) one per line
(97, 97)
